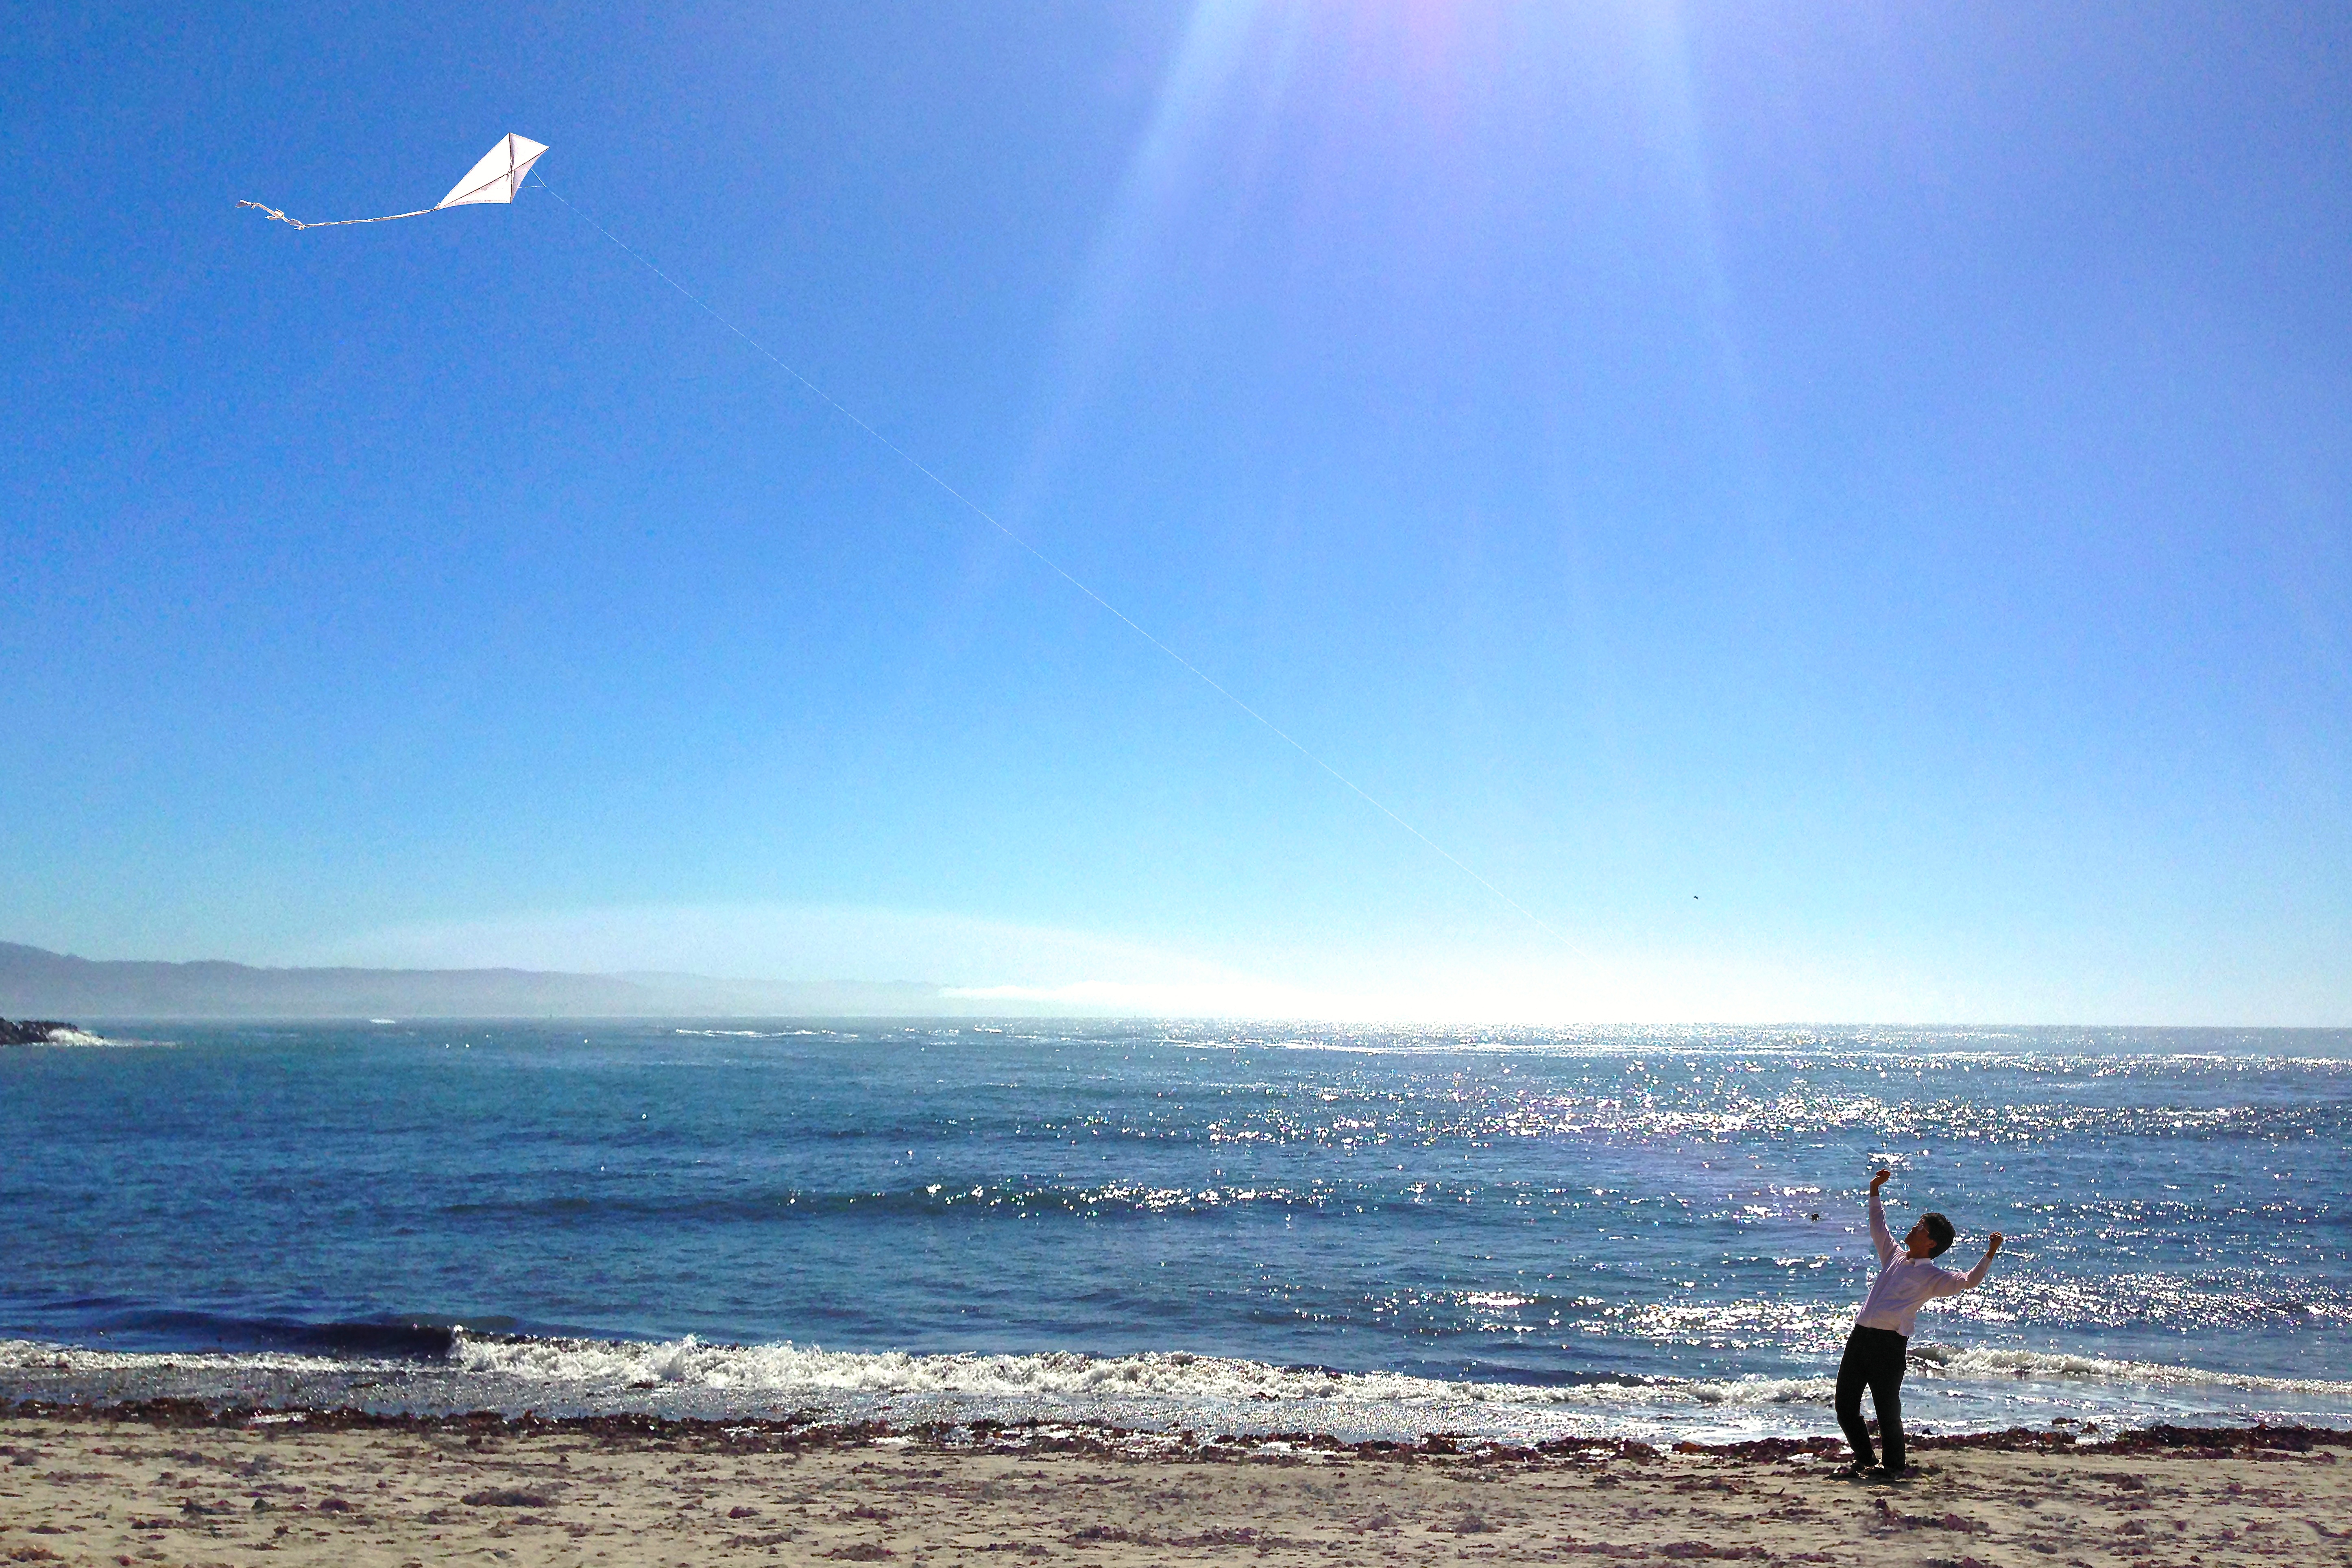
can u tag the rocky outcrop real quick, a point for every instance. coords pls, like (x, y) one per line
(37, 1031)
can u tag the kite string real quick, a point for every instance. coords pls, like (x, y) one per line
(1056, 567)
(340, 222)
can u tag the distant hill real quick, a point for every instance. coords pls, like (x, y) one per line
(35, 982)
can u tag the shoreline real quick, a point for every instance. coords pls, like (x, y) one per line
(438, 1370)
(166, 1481)
(170, 1413)
(1124, 1405)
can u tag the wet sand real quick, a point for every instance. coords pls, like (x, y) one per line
(177, 1484)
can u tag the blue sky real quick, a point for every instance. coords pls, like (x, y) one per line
(1837, 512)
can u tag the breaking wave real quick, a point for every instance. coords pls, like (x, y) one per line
(1952, 1389)
(2047, 1366)
(788, 1368)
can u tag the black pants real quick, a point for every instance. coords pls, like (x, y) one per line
(1874, 1357)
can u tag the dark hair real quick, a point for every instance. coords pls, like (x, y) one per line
(1941, 1229)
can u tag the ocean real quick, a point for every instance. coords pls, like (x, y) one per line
(1517, 1234)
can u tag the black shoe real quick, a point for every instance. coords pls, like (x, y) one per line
(1883, 1473)
(1858, 1470)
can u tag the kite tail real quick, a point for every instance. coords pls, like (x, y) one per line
(273, 212)
(335, 223)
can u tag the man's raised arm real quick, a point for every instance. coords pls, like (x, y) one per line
(1880, 1238)
(1974, 1277)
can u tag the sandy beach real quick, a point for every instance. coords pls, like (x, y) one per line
(177, 1485)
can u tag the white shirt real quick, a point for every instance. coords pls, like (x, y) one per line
(1905, 1284)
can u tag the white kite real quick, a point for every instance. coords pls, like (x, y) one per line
(496, 178)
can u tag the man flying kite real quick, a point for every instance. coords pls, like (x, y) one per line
(1878, 1349)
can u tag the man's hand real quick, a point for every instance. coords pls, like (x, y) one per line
(1993, 1245)
(1879, 1180)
